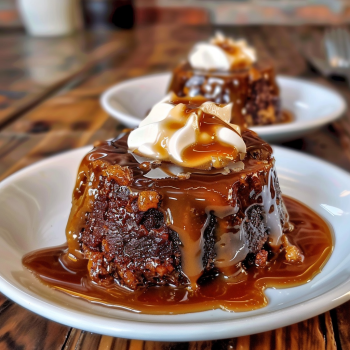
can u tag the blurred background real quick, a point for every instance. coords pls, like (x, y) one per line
(129, 13)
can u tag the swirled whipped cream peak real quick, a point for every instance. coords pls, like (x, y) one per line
(189, 133)
(222, 53)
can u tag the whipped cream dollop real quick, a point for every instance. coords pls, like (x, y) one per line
(188, 135)
(222, 53)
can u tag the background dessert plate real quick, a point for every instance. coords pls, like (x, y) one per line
(35, 204)
(313, 105)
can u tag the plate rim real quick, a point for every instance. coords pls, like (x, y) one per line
(185, 330)
(263, 131)
(104, 97)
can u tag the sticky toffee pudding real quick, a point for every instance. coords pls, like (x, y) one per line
(224, 71)
(183, 214)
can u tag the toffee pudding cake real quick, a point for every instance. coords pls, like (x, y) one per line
(160, 223)
(224, 71)
(183, 214)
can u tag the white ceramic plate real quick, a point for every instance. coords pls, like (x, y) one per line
(313, 105)
(35, 203)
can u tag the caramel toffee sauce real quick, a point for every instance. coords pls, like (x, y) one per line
(243, 292)
(233, 288)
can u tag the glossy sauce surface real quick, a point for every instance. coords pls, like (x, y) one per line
(242, 292)
(234, 86)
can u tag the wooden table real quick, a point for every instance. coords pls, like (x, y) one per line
(49, 103)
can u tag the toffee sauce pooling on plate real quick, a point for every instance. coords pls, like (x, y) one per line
(234, 288)
(245, 292)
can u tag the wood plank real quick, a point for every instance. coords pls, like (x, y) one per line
(313, 334)
(3, 300)
(120, 343)
(342, 322)
(23, 149)
(89, 341)
(22, 329)
(33, 68)
(73, 339)
(106, 343)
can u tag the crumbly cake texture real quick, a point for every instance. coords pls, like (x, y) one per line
(129, 242)
(124, 232)
(263, 104)
(254, 92)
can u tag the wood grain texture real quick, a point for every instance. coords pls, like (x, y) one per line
(65, 113)
(22, 329)
(33, 68)
(313, 334)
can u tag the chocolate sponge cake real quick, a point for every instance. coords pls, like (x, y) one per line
(140, 225)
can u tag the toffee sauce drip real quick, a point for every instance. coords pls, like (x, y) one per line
(242, 293)
(185, 203)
